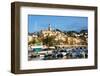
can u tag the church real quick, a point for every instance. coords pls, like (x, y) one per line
(47, 31)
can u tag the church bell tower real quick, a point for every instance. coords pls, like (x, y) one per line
(49, 28)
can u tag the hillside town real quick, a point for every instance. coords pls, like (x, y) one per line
(53, 43)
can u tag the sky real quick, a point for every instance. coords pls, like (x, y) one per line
(63, 23)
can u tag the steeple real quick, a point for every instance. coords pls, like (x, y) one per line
(49, 27)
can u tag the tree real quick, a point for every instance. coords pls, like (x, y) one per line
(49, 41)
(58, 30)
(83, 31)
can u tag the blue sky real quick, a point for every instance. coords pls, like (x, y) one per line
(64, 23)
